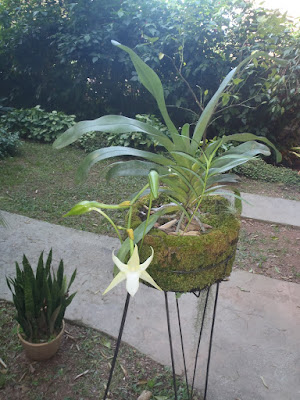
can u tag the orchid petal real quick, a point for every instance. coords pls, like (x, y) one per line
(122, 267)
(146, 277)
(134, 260)
(132, 283)
(146, 264)
(117, 279)
(132, 272)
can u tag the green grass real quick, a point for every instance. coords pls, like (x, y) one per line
(40, 183)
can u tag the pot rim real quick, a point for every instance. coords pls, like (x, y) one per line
(36, 345)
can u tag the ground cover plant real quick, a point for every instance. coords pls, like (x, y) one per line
(36, 124)
(9, 143)
(80, 368)
(260, 170)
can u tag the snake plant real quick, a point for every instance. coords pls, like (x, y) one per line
(188, 169)
(40, 299)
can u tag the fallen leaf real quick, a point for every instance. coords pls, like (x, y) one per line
(168, 225)
(243, 290)
(82, 374)
(142, 382)
(106, 343)
(124, 370)
(32, 370)
(264, 382)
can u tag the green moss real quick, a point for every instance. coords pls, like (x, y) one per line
(186, 263)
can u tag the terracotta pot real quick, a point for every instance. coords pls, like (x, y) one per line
(191, 263)
(42, 351)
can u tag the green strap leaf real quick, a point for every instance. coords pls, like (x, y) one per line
(211, 106)
(117, 151)
(153, 84)
(111, 124)
(133, 168)
(243, 137)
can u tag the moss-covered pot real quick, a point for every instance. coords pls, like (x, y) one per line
(188, 263)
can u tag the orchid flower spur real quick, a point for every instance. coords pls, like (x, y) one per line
(133, 271)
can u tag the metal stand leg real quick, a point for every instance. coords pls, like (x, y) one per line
(189, 392)
(117, 346)
(211, 337)
(199, 341)
(204, 315)
(171, 345)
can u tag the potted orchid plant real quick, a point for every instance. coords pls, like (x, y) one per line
(193, 227)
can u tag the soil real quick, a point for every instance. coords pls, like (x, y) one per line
(269, 249)
(80, 368)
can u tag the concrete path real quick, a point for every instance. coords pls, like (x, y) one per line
(257, 332)
(280, 211)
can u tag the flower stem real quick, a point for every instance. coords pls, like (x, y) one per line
(110, 220)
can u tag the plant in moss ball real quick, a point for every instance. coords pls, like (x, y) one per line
(188, 170)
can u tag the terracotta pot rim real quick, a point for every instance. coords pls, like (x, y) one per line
(37, 345)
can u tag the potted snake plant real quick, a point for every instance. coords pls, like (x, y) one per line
(41, 300)
(193, 227)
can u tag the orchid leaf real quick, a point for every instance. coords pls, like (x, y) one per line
(133, 168)
(117, 151)
(152, 83)
(111, 124)
(243, 137)
(206, 115)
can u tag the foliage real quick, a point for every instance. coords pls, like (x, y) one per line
(260, 170)
(9, 143)
(36, 124)
(92, 141)
(40, 300)
(139, 140)
(59, 54)
(188, 170)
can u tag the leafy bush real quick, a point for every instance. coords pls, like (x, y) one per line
(9, 143)
(260, 170)
(37, 124)
(138, 140)
(92, 141)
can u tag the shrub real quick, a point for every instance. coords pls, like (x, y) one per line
(9, 143)
(92, 141)
(37, 124)
(260, 170)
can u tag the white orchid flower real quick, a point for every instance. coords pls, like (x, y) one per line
(133, 271)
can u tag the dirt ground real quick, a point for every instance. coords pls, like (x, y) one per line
(80, 369)
(269, 249)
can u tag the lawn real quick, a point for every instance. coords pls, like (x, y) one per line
(40, 183)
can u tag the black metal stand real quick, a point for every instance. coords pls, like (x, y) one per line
(190, 391)
(117, 346)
